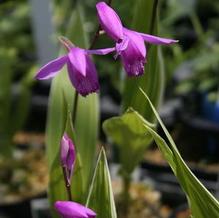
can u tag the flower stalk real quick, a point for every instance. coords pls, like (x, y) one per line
(75, 107)
(125, 195)
(67, 183)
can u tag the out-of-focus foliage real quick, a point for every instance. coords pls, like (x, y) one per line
(195, 60)
(15, 33)
(16, 52)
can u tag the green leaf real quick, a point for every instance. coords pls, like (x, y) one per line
(177, 9)
(22, 101)
(152, 81)
(100, 197)
(128, 132)
(202, 202)
(7, 57)
(61, 100)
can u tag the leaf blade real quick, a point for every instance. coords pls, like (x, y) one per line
(202, 202)
(100, 197)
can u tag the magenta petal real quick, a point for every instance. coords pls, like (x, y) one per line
(64, 149)
(52, 68)
(136, 42)
(157, 40)
(68, 209)
(103, 51)
(109, 21)
(78, 59)
(133, 57)
(84, 84)
(67, 152)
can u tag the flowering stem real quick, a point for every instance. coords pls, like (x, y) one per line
(75, 107)
(67, 183)
(125, 194)
(97, 33)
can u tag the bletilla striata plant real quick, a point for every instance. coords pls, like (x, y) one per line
(82, 73)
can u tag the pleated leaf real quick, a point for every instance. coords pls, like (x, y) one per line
(128, 132)
(100, 197)
(202, 202)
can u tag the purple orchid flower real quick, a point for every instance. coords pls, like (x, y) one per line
(129, 44)
(68, 209)
(68, 155)
(81, 70)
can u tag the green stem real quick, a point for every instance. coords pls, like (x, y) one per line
(75, 108)
(125, 194)
(67, 183)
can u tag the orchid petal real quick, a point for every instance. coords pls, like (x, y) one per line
(135, 42)
(103, 51)
(110, 21)
(67, 152)
(157, 40)
(64, 149)
(69, 209)
(52, 68)
(78, 60)
(133, 57)
(84, 84)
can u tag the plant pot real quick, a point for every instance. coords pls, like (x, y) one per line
(36, 120)
(144, 199)
(21, 208)
(200, 135)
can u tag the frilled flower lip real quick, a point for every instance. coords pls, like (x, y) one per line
(68, 209)
(82, 71)
(129, 43)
